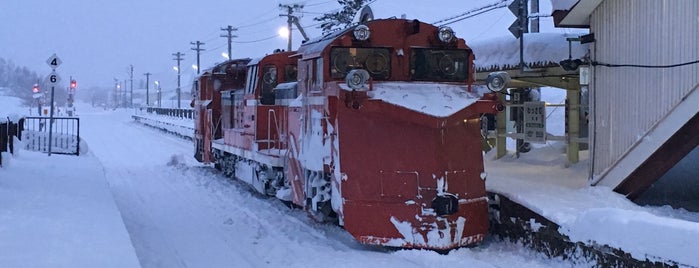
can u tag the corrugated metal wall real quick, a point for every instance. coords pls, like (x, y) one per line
(627, 101)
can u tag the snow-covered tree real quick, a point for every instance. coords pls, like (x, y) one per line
(341, 18)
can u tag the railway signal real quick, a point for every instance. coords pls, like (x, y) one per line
(73, 84)
(521, 23)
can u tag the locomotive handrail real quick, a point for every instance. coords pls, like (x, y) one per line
(272, 114)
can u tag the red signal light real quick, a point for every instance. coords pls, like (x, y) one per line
(36, 88)
(73, 84)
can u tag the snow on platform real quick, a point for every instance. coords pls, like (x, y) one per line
(541, 181)
(53, 216)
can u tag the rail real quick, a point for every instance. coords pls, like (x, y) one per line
(171, 112)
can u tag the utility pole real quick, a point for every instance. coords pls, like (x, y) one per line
(535, 20)
(230, 37)
(131, 77)
(198, 49)
(123, 94)
(147, 100)
(289, 18)
(178, 58)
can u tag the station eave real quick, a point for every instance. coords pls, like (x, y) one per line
(578, 16)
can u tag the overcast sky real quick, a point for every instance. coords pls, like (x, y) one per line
(98, 40)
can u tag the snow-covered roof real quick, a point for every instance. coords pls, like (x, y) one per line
(540, 50)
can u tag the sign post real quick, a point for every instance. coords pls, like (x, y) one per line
(535, 122)
(53, 79)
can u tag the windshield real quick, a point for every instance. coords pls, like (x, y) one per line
(450, 65)
(376, 61)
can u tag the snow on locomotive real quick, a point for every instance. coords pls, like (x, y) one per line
(374, 127)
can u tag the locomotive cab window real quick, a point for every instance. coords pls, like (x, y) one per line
(290, 73)
(376, 61)
(447, 65)
(269, 81)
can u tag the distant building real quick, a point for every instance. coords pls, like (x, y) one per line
(644, 79)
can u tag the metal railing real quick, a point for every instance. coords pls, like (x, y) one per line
(172, 112)
(9, 130)
(64, 139)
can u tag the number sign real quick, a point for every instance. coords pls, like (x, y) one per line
(54, 61)
(54, 78)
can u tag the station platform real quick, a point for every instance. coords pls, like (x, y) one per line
(555, 205)
(58, 211)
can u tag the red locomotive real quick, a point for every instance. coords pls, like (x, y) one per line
(374, 127)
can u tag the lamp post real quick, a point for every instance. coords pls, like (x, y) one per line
(157, 88)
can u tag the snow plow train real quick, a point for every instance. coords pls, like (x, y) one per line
(373, 127)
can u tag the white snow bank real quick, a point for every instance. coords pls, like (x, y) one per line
(640, 233)
(54, 216)
(540, 181)
(540, 49)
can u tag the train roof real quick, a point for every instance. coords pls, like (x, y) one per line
(314, 47)
(218, 68)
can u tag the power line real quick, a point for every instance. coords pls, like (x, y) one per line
(255, 41)
(472, 13)
(596, 63)
(258, 23)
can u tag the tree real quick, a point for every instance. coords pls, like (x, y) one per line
(342, 18)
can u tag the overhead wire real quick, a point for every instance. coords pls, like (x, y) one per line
(472, 13)
(596, 63)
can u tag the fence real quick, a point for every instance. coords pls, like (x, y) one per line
(64, 139)
(172, 112)
(9, 130)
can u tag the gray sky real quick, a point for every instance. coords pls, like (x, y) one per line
(98, 40)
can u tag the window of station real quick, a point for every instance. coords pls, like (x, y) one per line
(377, 61)
(448, 65)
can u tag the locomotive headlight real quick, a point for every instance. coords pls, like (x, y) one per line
(446, 34)
(362, 32)
(497, 81)
(357, 79)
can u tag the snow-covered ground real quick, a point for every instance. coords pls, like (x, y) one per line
(180, 213)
